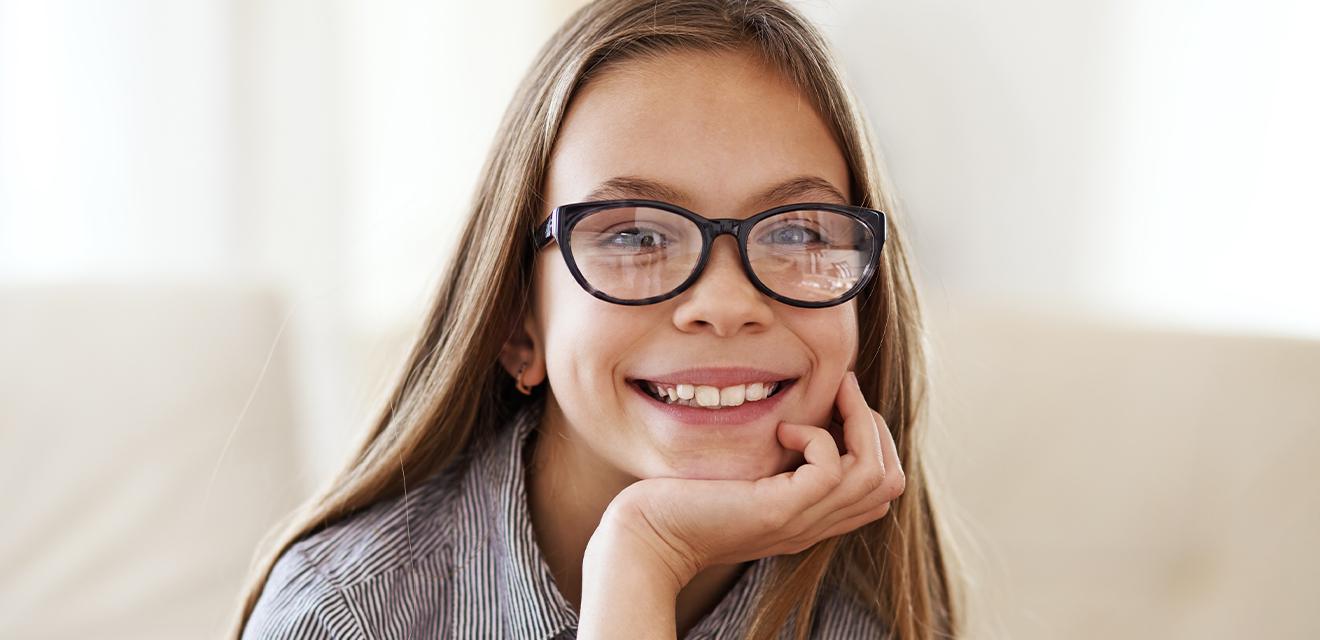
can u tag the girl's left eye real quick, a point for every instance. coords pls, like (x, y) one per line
(792, 234)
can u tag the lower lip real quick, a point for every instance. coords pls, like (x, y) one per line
(741, 414)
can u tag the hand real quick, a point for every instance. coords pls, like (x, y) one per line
(692, 524)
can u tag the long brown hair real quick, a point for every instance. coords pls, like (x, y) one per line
(451, 387)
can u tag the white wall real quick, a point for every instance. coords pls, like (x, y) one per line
(1214, 165)
(1150, 159)
(325, 149)
(116, 147)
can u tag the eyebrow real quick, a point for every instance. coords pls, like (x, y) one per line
(797, 188)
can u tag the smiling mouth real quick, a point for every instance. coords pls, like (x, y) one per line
(710, 397)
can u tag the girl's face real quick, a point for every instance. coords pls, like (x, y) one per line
(720, 129)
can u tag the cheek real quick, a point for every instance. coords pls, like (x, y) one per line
(832, 340)
(585, 341)
(830, 335)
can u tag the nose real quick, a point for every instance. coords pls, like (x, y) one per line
(723, 299)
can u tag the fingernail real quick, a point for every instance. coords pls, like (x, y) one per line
(853, 375)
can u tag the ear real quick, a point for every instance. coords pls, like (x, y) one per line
(524, 348)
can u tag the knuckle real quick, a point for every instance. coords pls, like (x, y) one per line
(798, 544)
(857, 522)
(775, 517)
(880, 511)
(872, 478)
(798, 529)
(899, 480)
(833, 475)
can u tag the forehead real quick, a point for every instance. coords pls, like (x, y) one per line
(718, 131)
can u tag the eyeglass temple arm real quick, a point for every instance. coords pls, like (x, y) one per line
(545, 232)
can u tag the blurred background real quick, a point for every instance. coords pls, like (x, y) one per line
(220, 222)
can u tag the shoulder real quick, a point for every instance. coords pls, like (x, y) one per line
(340, 581)
(400, 533)
(299, 602)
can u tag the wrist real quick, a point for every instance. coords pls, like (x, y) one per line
(625, 530)
(626, 587)
(622, 546)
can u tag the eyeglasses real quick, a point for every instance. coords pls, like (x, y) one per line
(637, 252)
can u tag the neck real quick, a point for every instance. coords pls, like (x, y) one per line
(568, 489)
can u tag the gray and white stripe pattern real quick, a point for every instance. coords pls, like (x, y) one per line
(457, 558)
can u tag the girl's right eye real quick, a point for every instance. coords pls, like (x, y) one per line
(636, 238)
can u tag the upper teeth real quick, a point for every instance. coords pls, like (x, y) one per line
(707, 396)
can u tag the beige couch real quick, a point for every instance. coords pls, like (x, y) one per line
(140, 459)
(1109, 480)
(1126, 481)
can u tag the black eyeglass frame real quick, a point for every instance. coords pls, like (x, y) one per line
(564, 217)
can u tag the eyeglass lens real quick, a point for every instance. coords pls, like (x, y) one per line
(634, 253)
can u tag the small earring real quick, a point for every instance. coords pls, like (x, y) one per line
(525, 390)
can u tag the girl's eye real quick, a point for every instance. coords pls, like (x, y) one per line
(635, 238)
(792, 234)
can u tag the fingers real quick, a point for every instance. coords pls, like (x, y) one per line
(816, 444)
(894, 477)
(872, 472)
(856, 521)
(859, 423)
(874, 503)
(823, 470)
(835, 493)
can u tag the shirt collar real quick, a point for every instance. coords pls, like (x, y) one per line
(535, 607)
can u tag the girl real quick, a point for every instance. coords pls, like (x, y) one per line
(641, 403)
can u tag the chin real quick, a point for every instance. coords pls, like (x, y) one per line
(727, 466)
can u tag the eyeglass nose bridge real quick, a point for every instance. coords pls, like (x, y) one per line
(713, 228)
(716, 227)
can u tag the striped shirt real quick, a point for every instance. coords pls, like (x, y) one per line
(456, 557)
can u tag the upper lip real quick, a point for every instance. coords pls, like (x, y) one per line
(717, 376)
